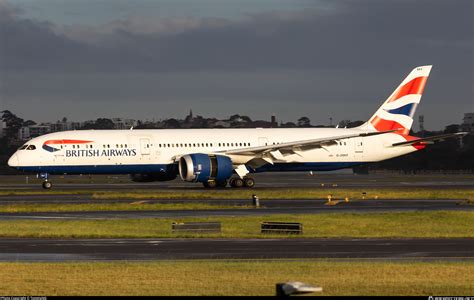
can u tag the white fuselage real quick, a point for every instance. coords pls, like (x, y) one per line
(211, 156)
(150, 151)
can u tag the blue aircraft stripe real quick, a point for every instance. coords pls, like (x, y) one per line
(173, 168)
(404, 110)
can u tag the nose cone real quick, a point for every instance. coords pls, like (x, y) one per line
(14, 161)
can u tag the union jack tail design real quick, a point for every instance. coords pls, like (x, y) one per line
(396, 113)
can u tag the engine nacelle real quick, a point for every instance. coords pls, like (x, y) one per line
(169, 173)
(150, 177)
(201, 167)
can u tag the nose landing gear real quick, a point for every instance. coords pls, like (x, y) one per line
(46, 183)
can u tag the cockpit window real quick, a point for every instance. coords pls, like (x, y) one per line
(31, 147)
(23, 147)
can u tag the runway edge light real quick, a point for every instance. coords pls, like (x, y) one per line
(295, 287)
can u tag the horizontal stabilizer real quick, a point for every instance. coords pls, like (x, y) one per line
(431, 139)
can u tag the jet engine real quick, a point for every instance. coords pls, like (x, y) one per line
(170, 172)
(150, 177)
(201, 167)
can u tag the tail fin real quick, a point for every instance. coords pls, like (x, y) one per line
(396, 113)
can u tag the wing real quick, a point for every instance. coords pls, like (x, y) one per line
(303, 145)
(431, 139)
(255, 157)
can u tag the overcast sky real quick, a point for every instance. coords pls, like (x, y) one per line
(155, 59)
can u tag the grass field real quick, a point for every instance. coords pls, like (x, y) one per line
(439, 224)
(296, 193)
(263, 193)
(133, 206)
(236, 278)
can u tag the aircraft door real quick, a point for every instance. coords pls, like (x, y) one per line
(59, 157)
(358, 147)
(145, 146)
(262, 141)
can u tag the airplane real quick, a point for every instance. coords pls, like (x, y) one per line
(218, 157)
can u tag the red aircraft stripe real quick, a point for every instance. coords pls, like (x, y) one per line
(418, 146)
(383, 125)
(415, 86)
(55, 142)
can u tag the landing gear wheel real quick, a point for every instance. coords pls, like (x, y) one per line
(249, 182)
(47, 185)
(210, 184)
(222, 184)
(236, 182)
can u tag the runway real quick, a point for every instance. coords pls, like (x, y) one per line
(175, 249)
(342, 179)
(291, 248)
(268, 207)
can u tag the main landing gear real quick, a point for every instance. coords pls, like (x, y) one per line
(47, 185)
(238, 182)
(235, 182)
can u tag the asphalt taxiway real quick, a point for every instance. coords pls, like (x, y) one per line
(267, 207)
(173, 249)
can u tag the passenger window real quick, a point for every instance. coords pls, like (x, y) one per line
(31, 147)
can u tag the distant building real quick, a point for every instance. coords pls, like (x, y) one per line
(189, 118)
(274, 121)
(28, 132)
(468, 122)
(3, 127)
(221, 124)
(64, 126)
(120, 123)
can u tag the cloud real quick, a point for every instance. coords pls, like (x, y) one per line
(137, 25)
(335, 61)
(353, 34)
